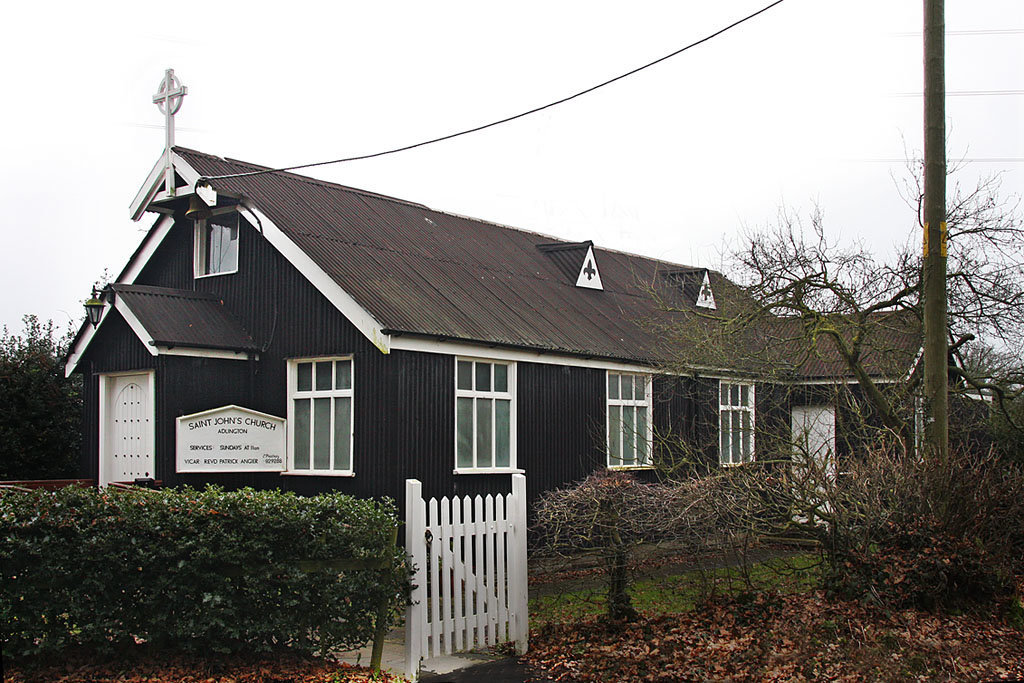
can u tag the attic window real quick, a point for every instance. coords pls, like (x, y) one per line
(216, 245)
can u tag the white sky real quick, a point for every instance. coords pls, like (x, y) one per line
(799, 106)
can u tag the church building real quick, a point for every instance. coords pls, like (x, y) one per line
(278, 331)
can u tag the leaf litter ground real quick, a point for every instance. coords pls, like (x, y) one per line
(151, 667)
(781, 637)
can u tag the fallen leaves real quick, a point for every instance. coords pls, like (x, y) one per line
(151, 667)
(802, 637)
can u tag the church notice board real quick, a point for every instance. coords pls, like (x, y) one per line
(230, 439)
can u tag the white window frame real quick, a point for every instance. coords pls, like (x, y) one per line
(199, 264)
(333, 393)
(725, 441)
(509, 395)
(648, 436)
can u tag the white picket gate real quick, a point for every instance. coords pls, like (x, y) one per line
(470, 579)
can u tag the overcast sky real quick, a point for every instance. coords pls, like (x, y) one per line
(816, 101)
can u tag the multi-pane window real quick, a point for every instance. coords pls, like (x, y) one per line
(320, 416)
(629, 423)
(217, 245)
(484, 415)
(736, 413)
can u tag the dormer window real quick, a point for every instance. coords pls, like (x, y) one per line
(216, 245)
(705, 297)
(589, 277)
(576, 261)
(693, 285)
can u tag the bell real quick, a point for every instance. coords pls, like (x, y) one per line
(197, 209)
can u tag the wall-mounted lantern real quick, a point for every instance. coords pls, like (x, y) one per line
(94, 308)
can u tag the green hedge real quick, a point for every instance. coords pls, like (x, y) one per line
(194, 570)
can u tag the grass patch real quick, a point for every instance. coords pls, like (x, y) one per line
(678, 593)
(1015, 613)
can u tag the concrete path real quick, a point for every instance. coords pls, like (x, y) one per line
(505, 670)
(393, 659)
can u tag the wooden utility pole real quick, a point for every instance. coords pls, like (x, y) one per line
(933, 276)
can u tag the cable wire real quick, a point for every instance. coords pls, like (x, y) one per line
(499, 122)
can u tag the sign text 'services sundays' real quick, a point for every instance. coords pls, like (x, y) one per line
(230, 439)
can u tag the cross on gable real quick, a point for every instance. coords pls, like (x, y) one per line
(170, 95)
(168, 99)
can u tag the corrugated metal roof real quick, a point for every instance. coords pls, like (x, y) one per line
(178, 317)
(425, 272)
(890, 342)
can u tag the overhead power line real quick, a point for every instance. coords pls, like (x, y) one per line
(507, 119)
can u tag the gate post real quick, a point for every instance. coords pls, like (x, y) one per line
(521, 601)
(415, 613)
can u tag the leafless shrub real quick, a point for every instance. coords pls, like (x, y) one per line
(891, 527)
(899, 529)
(614, 516)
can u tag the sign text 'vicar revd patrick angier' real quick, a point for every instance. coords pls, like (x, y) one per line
(230, 439)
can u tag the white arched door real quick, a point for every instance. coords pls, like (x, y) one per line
(126, 427)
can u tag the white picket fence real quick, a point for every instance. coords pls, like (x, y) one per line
(470, 580)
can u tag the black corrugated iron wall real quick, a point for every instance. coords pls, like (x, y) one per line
(190, 385)
(703, 392)
(116, 348)
(772, 420)
(561, 424)
(171, 264)
(404, 401)
(88, 456)
(686, 421)
(674, 412)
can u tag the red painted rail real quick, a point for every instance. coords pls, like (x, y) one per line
(48, 484)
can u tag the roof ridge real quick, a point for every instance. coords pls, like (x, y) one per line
(564, 246)
(563, 241)
(304, 178)
(496, 224)
(439, 259)
(368, 193)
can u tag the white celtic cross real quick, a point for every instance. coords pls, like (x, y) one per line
(168, 99)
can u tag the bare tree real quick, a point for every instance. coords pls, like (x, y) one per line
(985, 281)
(834, 306)
(812, 307)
